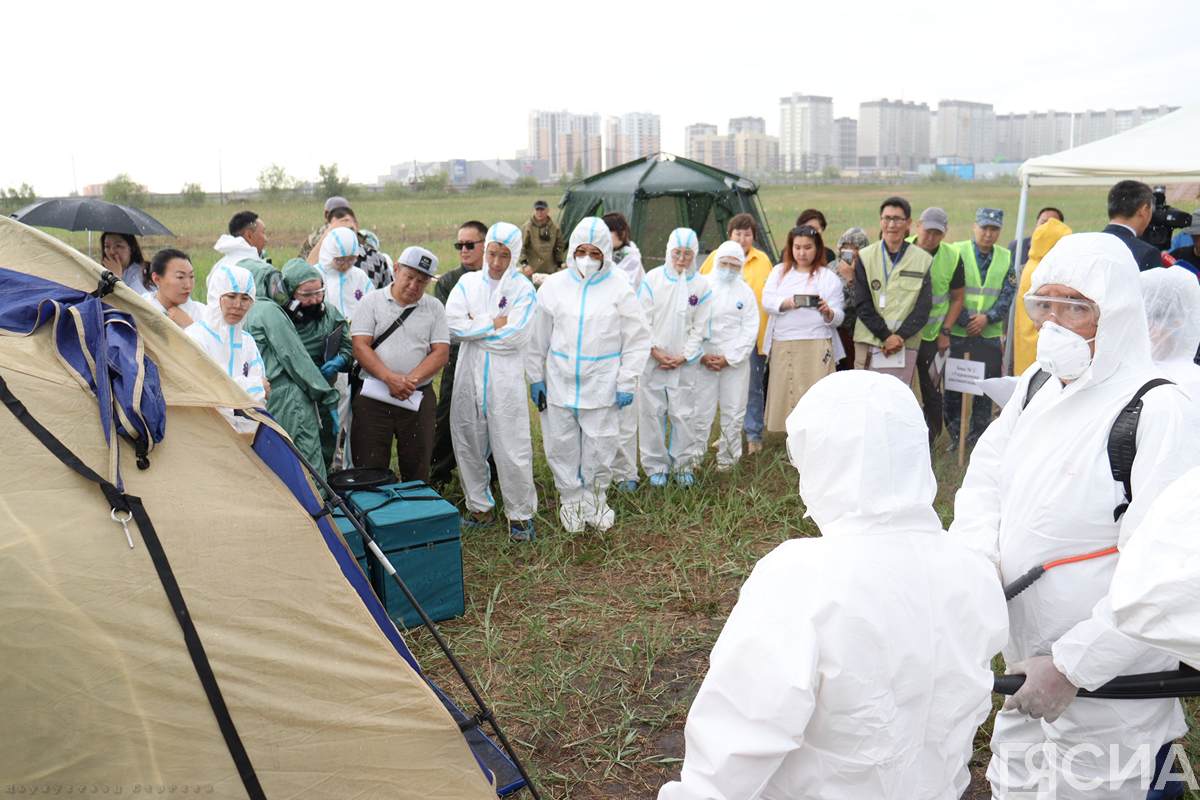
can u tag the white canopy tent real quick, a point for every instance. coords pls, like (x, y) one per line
(1165, 150)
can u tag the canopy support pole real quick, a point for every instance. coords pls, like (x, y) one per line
(1007, 367)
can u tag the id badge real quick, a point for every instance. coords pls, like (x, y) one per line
(882, 300)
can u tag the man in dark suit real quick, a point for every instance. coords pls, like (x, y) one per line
(1130, 205)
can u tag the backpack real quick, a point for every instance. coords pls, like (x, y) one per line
(1122, 437)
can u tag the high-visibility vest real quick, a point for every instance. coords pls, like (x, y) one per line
(900, 286)
(940, 274)
(981, 292)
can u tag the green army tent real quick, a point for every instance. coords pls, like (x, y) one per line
(662, 192)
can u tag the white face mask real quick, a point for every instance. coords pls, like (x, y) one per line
(1062, 352)
(588, 266)
(726, 275)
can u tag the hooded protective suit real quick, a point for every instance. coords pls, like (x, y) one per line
(590, 342)
(732, 333)
(856, 664)
(1155, 592)
(298, 390)
(1172, 298)
(343, 290)
(229, 345)
(1038, 488)
(489, 411)
(233, 250)
(625, 463)
(313, 334)
(677, 308)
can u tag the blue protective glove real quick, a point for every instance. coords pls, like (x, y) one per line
(333, 366)
(537, 393)
(334, 423)
(624, 399)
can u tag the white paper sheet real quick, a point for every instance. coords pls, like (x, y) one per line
(880, 361)
(378, 390)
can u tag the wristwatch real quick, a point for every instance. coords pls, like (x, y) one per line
(945, 331)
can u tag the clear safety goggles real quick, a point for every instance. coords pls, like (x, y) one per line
(1066, 311)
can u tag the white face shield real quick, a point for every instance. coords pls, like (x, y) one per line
(1172, 298)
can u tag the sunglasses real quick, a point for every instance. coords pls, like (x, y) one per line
(466, 245)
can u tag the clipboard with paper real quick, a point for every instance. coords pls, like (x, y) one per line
(333, 342)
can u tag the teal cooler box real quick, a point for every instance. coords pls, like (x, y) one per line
(354, 540)
(420, 534)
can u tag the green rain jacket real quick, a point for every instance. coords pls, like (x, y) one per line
(297, 386)
(313, 336)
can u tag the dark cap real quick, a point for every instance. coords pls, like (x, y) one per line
(539, 204)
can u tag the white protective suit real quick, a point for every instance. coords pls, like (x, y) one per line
(1172, 297)
(677, 308)
(590, 342)
(625, 464)
(230, 346)
(233, 249)
(343, 290)
(489, 411)
(854, 665)
(732, 333)
(1155, 592)
(1038, 488)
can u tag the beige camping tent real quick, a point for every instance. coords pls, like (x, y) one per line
(96, 685)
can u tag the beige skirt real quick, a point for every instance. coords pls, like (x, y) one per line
(794, 367)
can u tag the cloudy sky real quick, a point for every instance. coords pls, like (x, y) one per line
(180, 92)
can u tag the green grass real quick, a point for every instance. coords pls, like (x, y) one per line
(431, 221)
(591, 647)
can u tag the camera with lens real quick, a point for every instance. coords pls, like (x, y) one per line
(1163, 220)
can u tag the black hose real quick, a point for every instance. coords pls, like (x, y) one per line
(1182, 682)
(485, 713)
(1024, 582)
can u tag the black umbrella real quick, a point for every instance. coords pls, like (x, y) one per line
(91, 214)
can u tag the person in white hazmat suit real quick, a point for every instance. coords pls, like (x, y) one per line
(490, 313)
(345, 287)
(1039, 488)
(724, 375)
(219, 330)
(590, 343)
(628, 258)
(1172, 297)
(854, 665)
(1155, 591)
(676, 300)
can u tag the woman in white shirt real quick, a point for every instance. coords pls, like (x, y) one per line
(172, 279)
(804, 302)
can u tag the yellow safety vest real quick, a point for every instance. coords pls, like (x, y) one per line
(900, 286)
(982, 292)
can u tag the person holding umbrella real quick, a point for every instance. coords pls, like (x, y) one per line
(122, 256)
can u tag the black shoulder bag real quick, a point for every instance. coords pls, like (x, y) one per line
(356, 371)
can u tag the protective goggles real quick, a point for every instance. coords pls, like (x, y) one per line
(1066, 311)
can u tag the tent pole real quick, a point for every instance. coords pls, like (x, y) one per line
(1007, 366)
(484, 713)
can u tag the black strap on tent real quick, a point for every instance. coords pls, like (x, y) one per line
(129, 504)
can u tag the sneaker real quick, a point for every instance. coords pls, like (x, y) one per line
(753, 447)
(628, 486)
(473, 521)
(521, 531)
(658, 479)
(685, 478)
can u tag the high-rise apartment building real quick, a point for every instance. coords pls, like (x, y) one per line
(893, 135)
(805, 133)
(571, 143)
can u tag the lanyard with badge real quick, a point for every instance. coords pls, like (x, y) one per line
(888, 266)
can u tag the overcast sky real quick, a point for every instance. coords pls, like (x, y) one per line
(169, 91)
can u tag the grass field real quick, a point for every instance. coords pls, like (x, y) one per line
(431, 221)
(590, 647)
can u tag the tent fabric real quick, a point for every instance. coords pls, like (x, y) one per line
(1164, 150)
(96, 682)
(662, 192)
